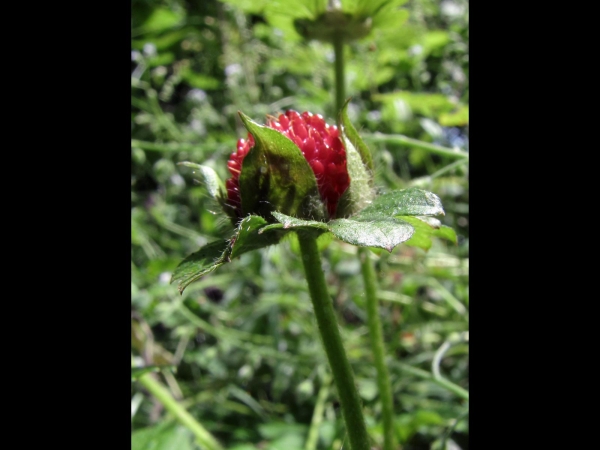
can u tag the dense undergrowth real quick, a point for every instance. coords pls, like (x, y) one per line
(240, 347)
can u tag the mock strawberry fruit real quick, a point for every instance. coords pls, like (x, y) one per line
(320, 144)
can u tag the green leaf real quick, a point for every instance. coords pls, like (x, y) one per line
(427, 104)
(390, 220)
(383, 233)
(406, 202)
(249, 6)
(375, 226)
(215, 254)
(425, 229)
(458, 118)
(276, 177)
(162, 18)
(378, 224)
(199, 80)
(434, 40)
(350, 133)
(198, 264)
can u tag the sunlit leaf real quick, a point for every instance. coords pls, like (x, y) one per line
(425, 231)
(382, 233)
(406, 202)
(162, 19)
(458, 118)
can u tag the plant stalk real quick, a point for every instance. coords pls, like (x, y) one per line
(340, 80)
(377, 347)
(415, 143)
(203, 436)
(370, 284)
(332, 341)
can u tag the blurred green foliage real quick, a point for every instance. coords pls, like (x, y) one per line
(249, 365)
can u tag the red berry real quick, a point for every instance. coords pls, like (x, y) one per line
(321, 146)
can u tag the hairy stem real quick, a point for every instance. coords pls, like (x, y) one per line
(332, 341)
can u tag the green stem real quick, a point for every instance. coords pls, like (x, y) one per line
(454, 388)
(340, 82)
(415, 143)
(185, 418)
(332, 341)
(383, 378)
(175, 146)
(377, 347)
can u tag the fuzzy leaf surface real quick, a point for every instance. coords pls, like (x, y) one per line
(360, 193)
(383, 233)
(406, 202)
(198, 264)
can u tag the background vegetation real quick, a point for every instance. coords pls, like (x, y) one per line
(241, 346)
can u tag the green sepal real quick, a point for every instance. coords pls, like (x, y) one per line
(334, 22)
(249, 236)
(276, 177)
(360, 192)
(214, 185)
(288, 223)
(215, 254)
(350, 133)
